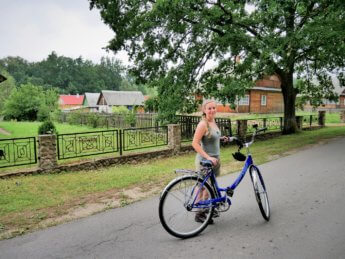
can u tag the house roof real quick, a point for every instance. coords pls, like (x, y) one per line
(71, 99)
(122, 97)
(91, 99)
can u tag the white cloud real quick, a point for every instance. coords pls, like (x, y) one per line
(33, 29)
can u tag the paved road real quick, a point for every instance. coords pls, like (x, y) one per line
(306, 192)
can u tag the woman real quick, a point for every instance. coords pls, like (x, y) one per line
(206, 143)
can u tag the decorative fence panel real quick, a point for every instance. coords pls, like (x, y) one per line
(144, 138)
(18, 151)
(271, 123)
(109, 141)
(87, 143)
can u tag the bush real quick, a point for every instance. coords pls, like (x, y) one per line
(92, 120)
(43, 113)
(76, 118)
(47, 127)
(57, 116)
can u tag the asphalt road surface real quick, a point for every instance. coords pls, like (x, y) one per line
(307, 196)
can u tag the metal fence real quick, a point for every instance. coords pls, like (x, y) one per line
(87, 143)
(144, 138)
(18, 151)
(109, 141)
(271, 123)
(310, 120)
(189, 124)
(100, 120)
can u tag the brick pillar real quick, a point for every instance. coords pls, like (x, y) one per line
(47, 152)
(342, 116)
(174, 137)
(299, 122)
(242, 128)
(322, 118)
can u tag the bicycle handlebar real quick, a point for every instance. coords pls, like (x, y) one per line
(240, 144)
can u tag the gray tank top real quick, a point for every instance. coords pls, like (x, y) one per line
(211, 144)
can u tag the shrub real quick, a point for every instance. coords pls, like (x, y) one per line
(47, 127)
(92, 120)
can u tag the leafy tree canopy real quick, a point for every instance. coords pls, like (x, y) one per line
(71, 76)
(30, 102)
(172, 42)
(6, 88)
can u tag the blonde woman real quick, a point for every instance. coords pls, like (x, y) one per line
(206, 142)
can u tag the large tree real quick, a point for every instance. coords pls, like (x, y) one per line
(173, 41)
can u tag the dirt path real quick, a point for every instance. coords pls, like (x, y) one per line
(4, 132)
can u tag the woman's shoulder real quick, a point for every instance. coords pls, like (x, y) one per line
(202, 123)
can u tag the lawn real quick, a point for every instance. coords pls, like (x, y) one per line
(30, 129)
(28, 202)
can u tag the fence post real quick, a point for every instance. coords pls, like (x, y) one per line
(242, 128)
(299, 122)
(47, 152)
(342, 116)
(174, 137)
(322, 118)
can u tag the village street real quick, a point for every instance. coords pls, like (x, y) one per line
(306, 191)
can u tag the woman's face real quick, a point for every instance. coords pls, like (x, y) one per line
(210, 110)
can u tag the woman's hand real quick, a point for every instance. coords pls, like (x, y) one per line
(225, 139)
(213, 160)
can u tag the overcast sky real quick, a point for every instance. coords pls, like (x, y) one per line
(32, 29)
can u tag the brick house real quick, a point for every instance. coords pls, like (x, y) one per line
(342, 100)
(265, 97)
(70, 101)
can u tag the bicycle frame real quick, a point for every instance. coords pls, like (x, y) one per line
(220, 198)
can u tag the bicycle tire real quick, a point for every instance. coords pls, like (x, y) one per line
(173, 213)
(260, 192)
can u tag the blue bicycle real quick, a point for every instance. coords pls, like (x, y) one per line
(181, 198)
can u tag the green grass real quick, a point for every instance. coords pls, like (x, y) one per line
(30, 129)
(26, 201)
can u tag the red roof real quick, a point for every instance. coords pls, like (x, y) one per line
(71, 99)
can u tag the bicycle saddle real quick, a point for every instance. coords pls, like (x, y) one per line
(206, 163)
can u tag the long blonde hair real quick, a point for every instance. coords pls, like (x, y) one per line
(203, 107)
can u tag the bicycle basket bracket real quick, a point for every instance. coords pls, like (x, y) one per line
(239, 156)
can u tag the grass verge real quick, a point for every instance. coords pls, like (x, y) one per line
(32, 202)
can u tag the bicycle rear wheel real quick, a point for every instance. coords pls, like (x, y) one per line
(260, 192)
(176, 214)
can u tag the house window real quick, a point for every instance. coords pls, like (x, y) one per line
(263, 100)
(244, 100)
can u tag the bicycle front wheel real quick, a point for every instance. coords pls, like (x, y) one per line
(260, 192)
(176, 211)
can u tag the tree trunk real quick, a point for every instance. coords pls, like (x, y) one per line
(289, 95)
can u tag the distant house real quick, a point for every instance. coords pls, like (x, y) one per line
(90, 102)
(328, 104)
(109, 99)
(265, 97)
(67, 102)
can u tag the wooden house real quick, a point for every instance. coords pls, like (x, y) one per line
(129, 99)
